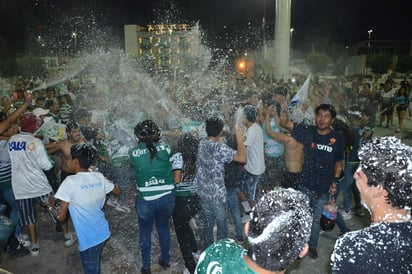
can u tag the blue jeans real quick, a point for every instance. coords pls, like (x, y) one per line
(91, 259)
(339, 219)
(233, 203)
(346, 188)
(316, 203)
(249, 183)
(8, 195)
(157, 211)
(212, 211)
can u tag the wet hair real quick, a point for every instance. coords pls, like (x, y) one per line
(70, 126)
(187, 145)
(279, 228)
(84, 153)
(387, 162)
(326, 107)
(250, 113)
(214, 125)
(149, 133)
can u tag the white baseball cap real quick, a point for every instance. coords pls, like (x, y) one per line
(40, 111)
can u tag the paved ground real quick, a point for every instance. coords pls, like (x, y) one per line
(121, 253)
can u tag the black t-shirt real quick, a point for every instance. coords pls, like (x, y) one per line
(379, 248)
(321, 152)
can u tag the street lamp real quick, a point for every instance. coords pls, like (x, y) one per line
(74, 36)
(369, 37)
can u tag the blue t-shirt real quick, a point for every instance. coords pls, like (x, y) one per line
(86, 193)
(321, 152)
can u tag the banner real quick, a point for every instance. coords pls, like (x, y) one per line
(302, 94)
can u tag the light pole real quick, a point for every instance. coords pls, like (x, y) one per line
(369, 38)
(291, 39)
(74, 36)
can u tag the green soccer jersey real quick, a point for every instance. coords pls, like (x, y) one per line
(224, 256)
(154, 177)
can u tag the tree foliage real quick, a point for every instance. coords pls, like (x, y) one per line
(8, 67)
(404, 64)
(318, 62)
(30, 65)
(379, 63)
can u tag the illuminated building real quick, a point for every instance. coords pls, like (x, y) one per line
(160, 46)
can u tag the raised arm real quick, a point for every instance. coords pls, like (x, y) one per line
(284, 118)
(280, 137)
(240, 155)
(5, 124)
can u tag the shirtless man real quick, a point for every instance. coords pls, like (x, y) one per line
(74, 136)
(293, 150)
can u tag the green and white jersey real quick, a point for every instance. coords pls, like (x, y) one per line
(224, 256)
(154, 177)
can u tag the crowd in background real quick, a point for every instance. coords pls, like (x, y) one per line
(109, 119)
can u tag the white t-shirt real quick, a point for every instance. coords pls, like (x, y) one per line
(255, 150)
(86, 193)
(29, 159)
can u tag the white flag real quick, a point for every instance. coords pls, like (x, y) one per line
(302, 94)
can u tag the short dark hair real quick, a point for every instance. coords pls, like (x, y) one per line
(84, 153)
(279, 228)
(70, 126)
(214, 125)
(387, 162)
(250, 113)
(326, 107)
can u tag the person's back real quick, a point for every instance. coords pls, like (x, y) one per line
(155, 199)
(209, 181)
(277, 235)
(380, 248)
(29, 159)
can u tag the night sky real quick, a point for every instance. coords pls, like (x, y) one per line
(341, 21)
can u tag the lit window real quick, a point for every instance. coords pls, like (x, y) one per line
(140, 40)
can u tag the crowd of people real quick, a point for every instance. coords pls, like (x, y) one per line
(244, 148)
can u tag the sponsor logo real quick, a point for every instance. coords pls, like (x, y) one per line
(154, 181)
(324, 147)
(17, 146)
